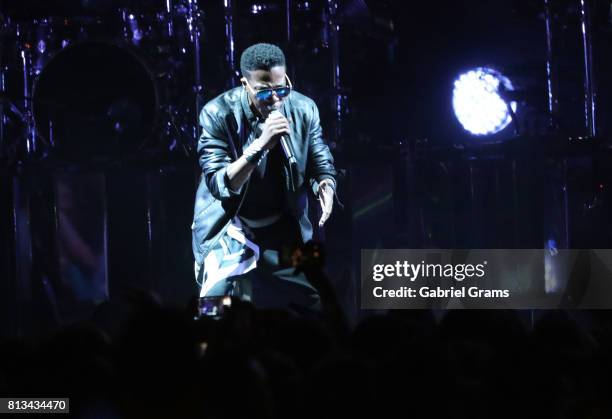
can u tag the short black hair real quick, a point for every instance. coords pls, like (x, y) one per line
(261, 57)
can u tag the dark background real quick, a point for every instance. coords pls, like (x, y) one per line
(411, 176)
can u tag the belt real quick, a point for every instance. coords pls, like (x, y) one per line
(261, 222)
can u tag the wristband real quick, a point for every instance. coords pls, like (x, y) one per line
(256, 157)
(254, 153)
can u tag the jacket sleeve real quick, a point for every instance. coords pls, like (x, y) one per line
(320, 164)
(214, 156)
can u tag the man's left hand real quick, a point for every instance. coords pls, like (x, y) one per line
(326, 198)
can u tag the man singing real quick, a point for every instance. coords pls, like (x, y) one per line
(251, 203)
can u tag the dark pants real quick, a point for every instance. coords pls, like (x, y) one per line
(272, 284)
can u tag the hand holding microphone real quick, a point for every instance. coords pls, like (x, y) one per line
(274, 129)
(275, 126)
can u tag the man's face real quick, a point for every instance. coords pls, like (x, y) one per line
(258, 80)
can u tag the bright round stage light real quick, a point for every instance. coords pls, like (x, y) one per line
(477, 102)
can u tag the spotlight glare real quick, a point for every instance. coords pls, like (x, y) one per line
(477, 103)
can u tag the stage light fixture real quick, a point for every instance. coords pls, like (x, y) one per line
(478, 101)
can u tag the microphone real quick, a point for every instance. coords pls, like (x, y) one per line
(294, 171)
(284, 142)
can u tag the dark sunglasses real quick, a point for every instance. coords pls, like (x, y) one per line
(281, 92)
